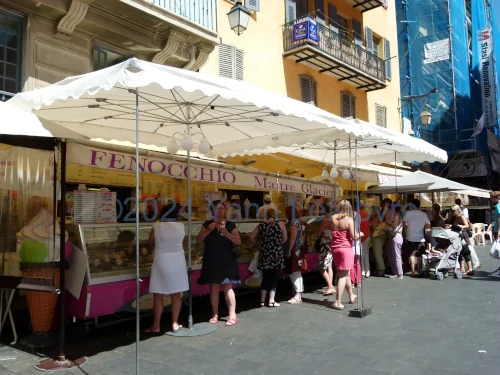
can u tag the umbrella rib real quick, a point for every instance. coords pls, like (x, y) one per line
(178, 103)
(204, 109)
(170, 113)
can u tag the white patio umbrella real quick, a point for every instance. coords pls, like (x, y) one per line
(376, 145)
(157, 105)
(421, 182)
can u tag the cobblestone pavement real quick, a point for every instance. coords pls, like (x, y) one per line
(421, 327)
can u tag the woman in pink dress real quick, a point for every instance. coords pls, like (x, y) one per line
(343, 234)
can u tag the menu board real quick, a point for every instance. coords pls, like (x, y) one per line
(98, 176)
(106, 207)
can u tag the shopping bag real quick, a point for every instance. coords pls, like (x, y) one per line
(253, 266)
(495, 250)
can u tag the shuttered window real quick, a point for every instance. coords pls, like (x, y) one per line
(333, 18)
(231, 62)
(369, 39)
(387, 57)
(253, 5)
(348, 105)
(381, 115)
(358, 32)
(308, 90)
(291, 11)
(319, 8)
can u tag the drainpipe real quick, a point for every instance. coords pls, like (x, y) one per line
(192, 60)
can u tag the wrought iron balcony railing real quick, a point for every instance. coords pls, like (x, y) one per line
(348, 60)
(201, 12)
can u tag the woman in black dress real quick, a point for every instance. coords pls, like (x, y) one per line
(270, 236)
(220, 263)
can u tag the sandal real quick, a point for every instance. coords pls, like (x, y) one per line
(262, 304)
(177, 330)
(274, 304)
(337, 307)
(231, 322)
(329, 293)
(214, 319)
(294, 301)
(354, 300)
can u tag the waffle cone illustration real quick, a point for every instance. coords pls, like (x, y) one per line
(42, 305)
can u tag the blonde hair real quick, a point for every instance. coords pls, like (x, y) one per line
(344, 209)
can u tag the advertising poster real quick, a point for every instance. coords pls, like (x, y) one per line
(305, 30)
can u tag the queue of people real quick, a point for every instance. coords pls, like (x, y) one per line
(343, 246)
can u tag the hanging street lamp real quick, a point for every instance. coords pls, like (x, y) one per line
(238, 18)
(425, 117)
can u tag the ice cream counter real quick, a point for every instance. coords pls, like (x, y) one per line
(109, 285)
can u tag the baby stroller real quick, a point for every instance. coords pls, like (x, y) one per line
(450, 242)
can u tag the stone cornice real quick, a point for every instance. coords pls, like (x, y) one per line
(174, 40)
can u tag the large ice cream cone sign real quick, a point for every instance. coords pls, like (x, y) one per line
(39, 251)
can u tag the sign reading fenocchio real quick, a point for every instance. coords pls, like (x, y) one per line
(119, 161)
(488, 78)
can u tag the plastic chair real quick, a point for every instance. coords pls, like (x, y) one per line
(477, 233)
(488, 232)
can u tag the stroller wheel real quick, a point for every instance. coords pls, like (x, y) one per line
(439, 276)
(445, 274)
(458, 275)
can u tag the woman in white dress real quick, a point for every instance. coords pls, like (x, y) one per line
(168, 274)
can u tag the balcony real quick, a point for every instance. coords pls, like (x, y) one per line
(335, 54)
(366, 5)
(200, 12)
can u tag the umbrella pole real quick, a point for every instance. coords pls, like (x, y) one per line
(360, 311)
(61, 362)
(358, 207)
(200, 328)
(357, 228)
(137, 249)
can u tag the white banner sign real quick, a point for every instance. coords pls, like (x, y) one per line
(488, 92)
(437, 51)
(118, 161)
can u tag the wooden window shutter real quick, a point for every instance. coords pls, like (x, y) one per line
(333, 17)
(231, 62)
(239, 64)
(369, 39)
(308, 90)
(381, 115)
(348, 105)
(387, 58)
(253, 5)
(225, 61)
(291, 11)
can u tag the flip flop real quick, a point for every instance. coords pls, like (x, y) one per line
(354, 300)
(337, 308)
(214, 319)
(231, 322)
(274, 304)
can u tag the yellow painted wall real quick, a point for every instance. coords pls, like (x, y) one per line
(262, 43)
(264, 64)
(383, 23)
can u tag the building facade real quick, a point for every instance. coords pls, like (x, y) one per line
(345, 73)
(442, 70)
(45, 41)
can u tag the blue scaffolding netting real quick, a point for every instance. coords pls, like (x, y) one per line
(433, 41)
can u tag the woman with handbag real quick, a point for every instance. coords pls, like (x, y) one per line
(270, 237)
(394, 228)
(294, 255)
(220, 261)
(343, 235)
(323, 247)
(460, 224)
